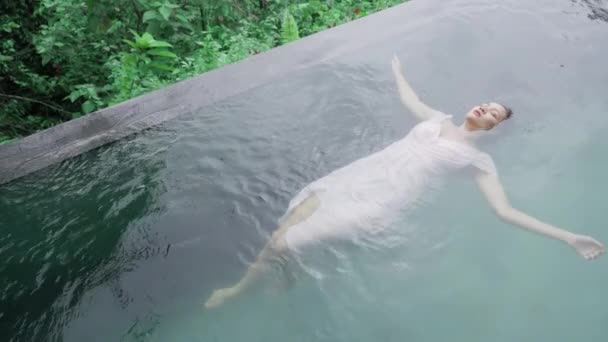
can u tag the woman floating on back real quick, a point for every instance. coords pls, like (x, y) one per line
(341, 203)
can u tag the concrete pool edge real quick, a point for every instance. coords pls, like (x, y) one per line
(67, 140)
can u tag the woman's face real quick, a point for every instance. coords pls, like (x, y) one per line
(485, 116)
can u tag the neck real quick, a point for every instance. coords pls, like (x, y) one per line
(468, 126)
(469, 131)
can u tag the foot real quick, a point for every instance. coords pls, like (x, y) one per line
(219, 297)
(587, 247)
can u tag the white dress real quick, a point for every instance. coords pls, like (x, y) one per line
(354, 197)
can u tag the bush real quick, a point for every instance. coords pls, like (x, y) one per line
(60, 59)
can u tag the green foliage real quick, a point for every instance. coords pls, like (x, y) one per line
(61, 59)
(144, 68)
(289, 28)
(88, 93)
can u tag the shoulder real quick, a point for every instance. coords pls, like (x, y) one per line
(439, 119)
(482, 161)
(440, 116)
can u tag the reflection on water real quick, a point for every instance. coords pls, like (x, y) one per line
(598, 9)
(61, 232)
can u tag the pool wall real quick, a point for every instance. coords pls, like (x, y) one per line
(72, 138)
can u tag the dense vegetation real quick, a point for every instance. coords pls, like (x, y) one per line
(60, 59)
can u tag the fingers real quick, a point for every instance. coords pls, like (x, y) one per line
(588, 255)
(600, 249)
(593, 254)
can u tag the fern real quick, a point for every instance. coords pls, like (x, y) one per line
(289, 28)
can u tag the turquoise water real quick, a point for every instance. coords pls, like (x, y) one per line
(126, 242)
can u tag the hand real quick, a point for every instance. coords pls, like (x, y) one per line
(586, 246)
(396, 65)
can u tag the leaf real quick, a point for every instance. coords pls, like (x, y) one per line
(132, 44)
(155, 27)
(161, 52)
(4, 58)
(159, 43)
(150, 15)
(161, 66)
(116, 24)
(182, 18)
(137, 36)
(88, 106)
(91, 91)
(74, 95)
(145, 39)
(165, 12)
(8, 27)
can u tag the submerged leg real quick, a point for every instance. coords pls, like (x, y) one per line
(274, 251)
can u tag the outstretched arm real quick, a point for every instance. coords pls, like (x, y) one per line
(490, 186)
(409, 97)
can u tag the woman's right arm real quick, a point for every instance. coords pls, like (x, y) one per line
(490, 186)
(409, 97)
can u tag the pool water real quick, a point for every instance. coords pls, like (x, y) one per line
(126, 242)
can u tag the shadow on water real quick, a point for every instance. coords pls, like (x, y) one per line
(60, 233)
(598, 9)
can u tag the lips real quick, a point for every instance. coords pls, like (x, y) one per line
(477, 112)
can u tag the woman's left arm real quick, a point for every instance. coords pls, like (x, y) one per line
(490, 186)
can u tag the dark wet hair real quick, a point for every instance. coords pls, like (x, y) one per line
(507, 110)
